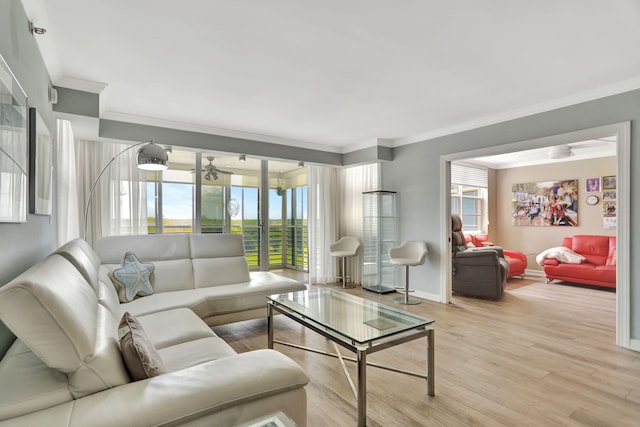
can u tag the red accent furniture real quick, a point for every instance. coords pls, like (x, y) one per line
(517, 263)
(599, 269)
(517, 260)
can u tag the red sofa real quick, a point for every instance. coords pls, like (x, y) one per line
(517, 260)
(599, 269)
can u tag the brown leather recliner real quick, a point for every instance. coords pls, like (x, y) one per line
(477, 272)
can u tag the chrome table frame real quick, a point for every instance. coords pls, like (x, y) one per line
(360, 349)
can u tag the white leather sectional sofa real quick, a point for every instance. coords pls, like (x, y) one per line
(65, 367)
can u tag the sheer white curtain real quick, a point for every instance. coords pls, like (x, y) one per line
(119, 203)
(353, 182)
(335, 210)
(323, 188)
(66, 185)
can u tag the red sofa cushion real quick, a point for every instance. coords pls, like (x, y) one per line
(595, 248)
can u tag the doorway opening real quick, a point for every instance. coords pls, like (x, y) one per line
(621, 132)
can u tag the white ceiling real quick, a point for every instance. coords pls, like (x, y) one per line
(333, 74)
(581, 150)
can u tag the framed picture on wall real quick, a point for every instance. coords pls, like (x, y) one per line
(40, 165)
(609, 208)
(609, 195)
(592, 185)
(545, 203)
(609, 182)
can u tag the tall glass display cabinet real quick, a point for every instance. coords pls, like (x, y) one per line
(379, 235)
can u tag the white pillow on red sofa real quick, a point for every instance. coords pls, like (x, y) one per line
(562, 254)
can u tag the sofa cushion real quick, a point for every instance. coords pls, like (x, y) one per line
(169, 275)
(162, 301)
(220, 271)
(56, 320)
(174, 326)
(152, 247)
(594, 248)
(226, 245)
(192, 353)
(28, 384)
(221, 263)
(132, 279)
(84, 258)
(55, 312)
(245, 296)
(586, 273)
(140, 356)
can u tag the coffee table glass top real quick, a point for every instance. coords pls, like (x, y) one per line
(348, 315)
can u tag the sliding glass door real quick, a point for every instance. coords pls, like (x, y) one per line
(215, 193)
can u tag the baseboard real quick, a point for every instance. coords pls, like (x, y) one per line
(427, 295)
(634, 344)
(535, 273)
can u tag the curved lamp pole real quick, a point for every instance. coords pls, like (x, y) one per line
(150, 157)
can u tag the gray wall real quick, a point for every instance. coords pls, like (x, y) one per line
(415, 174)
(22, 245)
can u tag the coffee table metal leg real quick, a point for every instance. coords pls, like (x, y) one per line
(362, 388)
(269, 326)
(431, 381)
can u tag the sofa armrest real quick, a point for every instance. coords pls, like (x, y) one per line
(474, 258)
(496, 249)
(192, 392)
(515, 254)
(180, 396)
(550, 262)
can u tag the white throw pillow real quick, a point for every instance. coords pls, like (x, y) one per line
(562, 254)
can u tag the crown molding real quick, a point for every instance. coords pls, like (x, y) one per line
(80, 84)
(590, 95)
(190, 127)
(375, 142)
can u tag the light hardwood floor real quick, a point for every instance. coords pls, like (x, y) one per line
(544, 355)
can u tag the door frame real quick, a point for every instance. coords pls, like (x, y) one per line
(623, 238)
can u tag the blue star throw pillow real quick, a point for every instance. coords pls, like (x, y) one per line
(132, 280)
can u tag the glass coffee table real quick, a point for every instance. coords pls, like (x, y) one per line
(357, 324)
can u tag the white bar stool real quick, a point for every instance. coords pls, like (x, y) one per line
(409, 253)
(347, 246)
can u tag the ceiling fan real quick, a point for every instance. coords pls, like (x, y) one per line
(583, 147)
(211, 172)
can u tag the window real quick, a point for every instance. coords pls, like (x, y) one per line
(276, 226)
(469, 197)
(214, 214)
(469, 203)
(170, 197)
(246, 221)
(297, 231)
(229, 202)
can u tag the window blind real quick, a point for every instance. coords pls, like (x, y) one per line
(467, 175)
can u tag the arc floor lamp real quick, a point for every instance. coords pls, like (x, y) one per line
(150, 157)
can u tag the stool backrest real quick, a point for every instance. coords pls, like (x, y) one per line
(346, 244)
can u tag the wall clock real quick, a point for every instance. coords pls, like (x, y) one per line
(592, 200)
